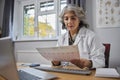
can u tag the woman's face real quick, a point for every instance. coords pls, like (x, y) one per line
(71, 21)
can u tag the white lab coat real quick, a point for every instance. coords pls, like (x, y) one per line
(89, 46)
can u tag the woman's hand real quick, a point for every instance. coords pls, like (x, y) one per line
(56, 63)
(82, 63)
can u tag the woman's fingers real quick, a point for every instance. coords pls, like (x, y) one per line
(77, 62)
(81, 62)
(56, 63)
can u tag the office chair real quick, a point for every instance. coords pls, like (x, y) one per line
(107, 53)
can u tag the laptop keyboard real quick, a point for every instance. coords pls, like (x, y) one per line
(26, 76)
(64, 70)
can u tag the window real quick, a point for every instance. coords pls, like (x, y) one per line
(39, 19)
(63, 3)
(28, 21)
(47, 5)
(47, 20)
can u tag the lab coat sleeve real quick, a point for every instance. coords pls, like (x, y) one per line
(97, 52)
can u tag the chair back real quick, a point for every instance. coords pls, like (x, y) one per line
(107, 54)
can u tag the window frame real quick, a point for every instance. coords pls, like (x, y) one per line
(21, 23)
(19, 30)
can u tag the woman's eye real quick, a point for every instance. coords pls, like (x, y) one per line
(73, 18)
(65, 18)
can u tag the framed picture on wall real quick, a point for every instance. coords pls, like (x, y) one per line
(107, 13)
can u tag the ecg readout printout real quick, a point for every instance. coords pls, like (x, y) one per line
(62, 53)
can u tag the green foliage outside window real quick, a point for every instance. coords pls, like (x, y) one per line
(44, 29)
(28, 26)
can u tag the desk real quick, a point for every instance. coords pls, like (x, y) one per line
(1, 78)
(65, 76)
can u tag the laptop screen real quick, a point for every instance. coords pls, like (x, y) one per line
(8, 68)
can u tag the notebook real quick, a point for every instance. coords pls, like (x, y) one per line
(8, 68)
(107, 72)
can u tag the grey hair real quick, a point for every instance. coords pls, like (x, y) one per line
(78, 11)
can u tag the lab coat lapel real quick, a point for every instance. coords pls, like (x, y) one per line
(79, 36)
(77, 40)
(66, 39)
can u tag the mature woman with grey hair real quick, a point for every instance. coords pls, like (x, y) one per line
(90, 48)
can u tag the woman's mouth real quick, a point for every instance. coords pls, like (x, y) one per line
(70, 27)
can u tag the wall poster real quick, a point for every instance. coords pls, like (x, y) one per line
(107, 13)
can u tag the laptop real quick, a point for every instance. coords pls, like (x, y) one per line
(8, 68)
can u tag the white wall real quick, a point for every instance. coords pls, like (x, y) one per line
(112, 36)
(25, 51)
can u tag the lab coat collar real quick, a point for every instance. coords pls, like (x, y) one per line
(80, 35)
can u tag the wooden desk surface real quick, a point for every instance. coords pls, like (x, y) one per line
(66, 76)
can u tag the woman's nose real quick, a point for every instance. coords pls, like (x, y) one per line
(69, 20)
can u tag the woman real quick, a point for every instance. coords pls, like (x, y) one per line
(90, 48)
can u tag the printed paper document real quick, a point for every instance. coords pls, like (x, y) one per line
(63, 53)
